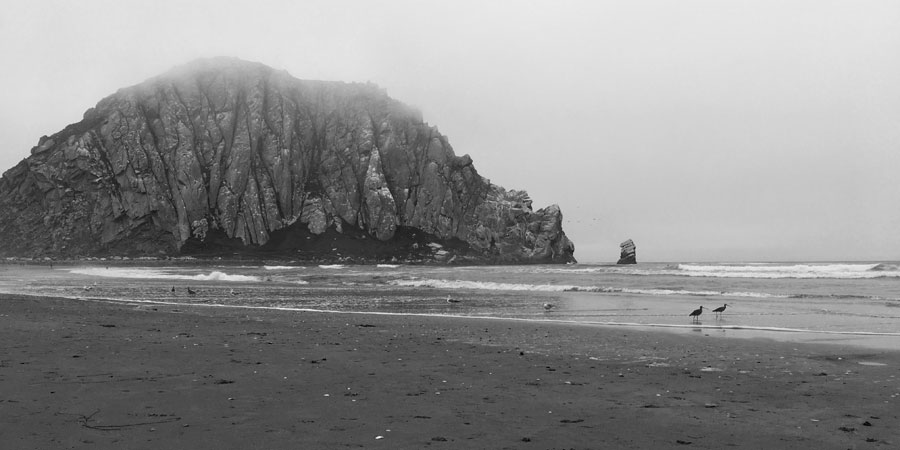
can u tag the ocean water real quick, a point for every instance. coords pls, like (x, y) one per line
(845, 303)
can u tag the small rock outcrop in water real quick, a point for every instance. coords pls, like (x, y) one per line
(627, 255)
(228, 157)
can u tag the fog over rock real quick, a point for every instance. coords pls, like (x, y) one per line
(223, 156)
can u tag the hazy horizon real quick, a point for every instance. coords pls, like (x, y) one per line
(702, 130)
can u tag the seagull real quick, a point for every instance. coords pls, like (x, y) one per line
(695, 315)
(548, 306)
(720, 309)
(87, 288)
(233, 292)
(191, 291)
(451, 299)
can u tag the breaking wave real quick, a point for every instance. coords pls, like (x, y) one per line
(282, 267)
(494, 286)
(885, 267)
(835, 271)
(159, 274)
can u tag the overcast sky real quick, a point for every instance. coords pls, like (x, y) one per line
(703, 130)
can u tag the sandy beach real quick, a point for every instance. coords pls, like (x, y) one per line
(94, 374)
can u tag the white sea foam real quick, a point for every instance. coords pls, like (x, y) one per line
(332, 266)
(483, 285)
(387, 266)
(159, 274)
(282, 267)
(837, 271)
(494, 286)
(221, 276)
(742, 270)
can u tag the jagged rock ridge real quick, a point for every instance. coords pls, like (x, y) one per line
(223, 151)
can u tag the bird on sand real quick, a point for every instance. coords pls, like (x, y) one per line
(548, 306)
(233, 292)
(450, 299)
(720, 309)
(173, 288)
(191, 291)
(695, 315)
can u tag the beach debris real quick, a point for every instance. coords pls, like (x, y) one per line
(379, 437)
(683, 442)
(85, 422)
(439, 439)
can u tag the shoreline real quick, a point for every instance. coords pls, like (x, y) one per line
(100, 374)
(876, 341)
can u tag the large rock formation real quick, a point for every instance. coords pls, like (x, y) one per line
(227, 156)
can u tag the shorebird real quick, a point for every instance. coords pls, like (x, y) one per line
(191, 291)
(695, 315)
(87, 288)
(548, 306)
(451, 299)
(233, 292)
(720, 309)
(173, 288)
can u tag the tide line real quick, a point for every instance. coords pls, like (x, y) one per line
(461, 316)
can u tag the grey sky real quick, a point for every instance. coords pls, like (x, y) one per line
(703, 130)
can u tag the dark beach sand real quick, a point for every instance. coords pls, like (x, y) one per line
(88, 374)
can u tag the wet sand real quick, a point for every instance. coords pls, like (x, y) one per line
(93, 374)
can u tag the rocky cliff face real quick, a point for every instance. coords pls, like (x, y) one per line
(224, 155)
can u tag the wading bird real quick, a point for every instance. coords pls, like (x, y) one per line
(720, 309)
(695, 315)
